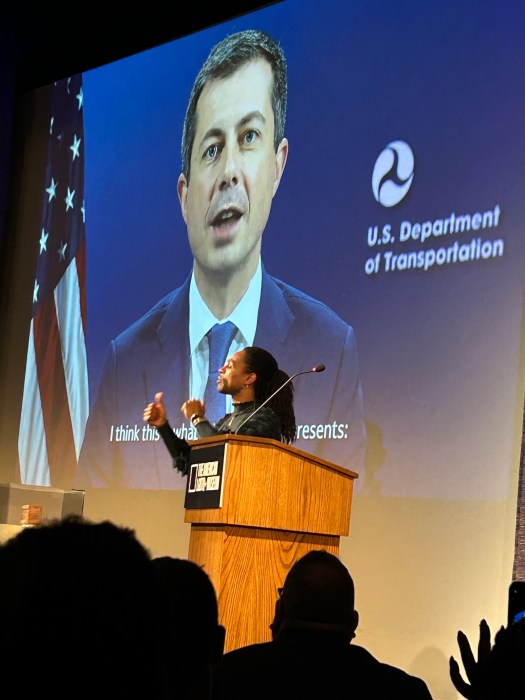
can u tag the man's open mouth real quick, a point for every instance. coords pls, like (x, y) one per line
(226, 216)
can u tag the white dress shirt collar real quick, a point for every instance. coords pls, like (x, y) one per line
(201, 319)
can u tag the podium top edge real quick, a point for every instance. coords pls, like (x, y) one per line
(230, 438)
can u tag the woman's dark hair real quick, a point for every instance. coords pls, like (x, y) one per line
(269, 379)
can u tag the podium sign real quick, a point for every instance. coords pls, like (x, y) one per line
(204, 487)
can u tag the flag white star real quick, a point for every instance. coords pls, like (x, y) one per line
(83, 210)
(75, 146)
(35, 292)
(69, 199)
(52, 189)
(62, 250)
(80, 98)
(43, 241)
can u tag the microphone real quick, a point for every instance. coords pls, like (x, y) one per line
(317, 368)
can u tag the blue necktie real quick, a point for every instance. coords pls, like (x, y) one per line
(219, 339)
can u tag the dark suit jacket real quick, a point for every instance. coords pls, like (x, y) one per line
(311, 667)
(153, 355)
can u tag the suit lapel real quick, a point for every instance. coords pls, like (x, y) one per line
(275, 317)
(278, 328)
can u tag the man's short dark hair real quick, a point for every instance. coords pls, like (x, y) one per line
(224, 59)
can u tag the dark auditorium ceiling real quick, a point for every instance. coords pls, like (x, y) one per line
(50, 43)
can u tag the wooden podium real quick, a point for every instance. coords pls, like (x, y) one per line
(272, 505)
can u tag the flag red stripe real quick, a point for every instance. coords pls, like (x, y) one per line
(55, 405)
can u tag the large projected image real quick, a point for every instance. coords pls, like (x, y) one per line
(234, 154)
(365, 213)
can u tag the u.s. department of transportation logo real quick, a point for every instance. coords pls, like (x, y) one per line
(393, 173)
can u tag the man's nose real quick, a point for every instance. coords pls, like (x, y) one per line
(230, 173)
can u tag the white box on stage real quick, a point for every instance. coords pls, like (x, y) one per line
(54, 503)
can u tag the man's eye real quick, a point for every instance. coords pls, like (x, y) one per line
(250, 136)
(211, 152)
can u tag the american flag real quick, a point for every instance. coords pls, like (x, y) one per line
(55, 402)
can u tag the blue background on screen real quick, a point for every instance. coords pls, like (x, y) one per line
(439, 348)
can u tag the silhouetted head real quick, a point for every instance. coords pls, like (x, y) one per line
(318, 595)
(76, 609)
(190, 599)
(190, 636)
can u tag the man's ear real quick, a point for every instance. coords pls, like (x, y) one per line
(250, 378)
(182, 191)
(280, 162)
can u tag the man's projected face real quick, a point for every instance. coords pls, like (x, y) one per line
(235, 171)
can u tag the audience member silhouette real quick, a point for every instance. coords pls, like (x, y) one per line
(77, 610)
(310, 655)
(191, 638)
(496, 673)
